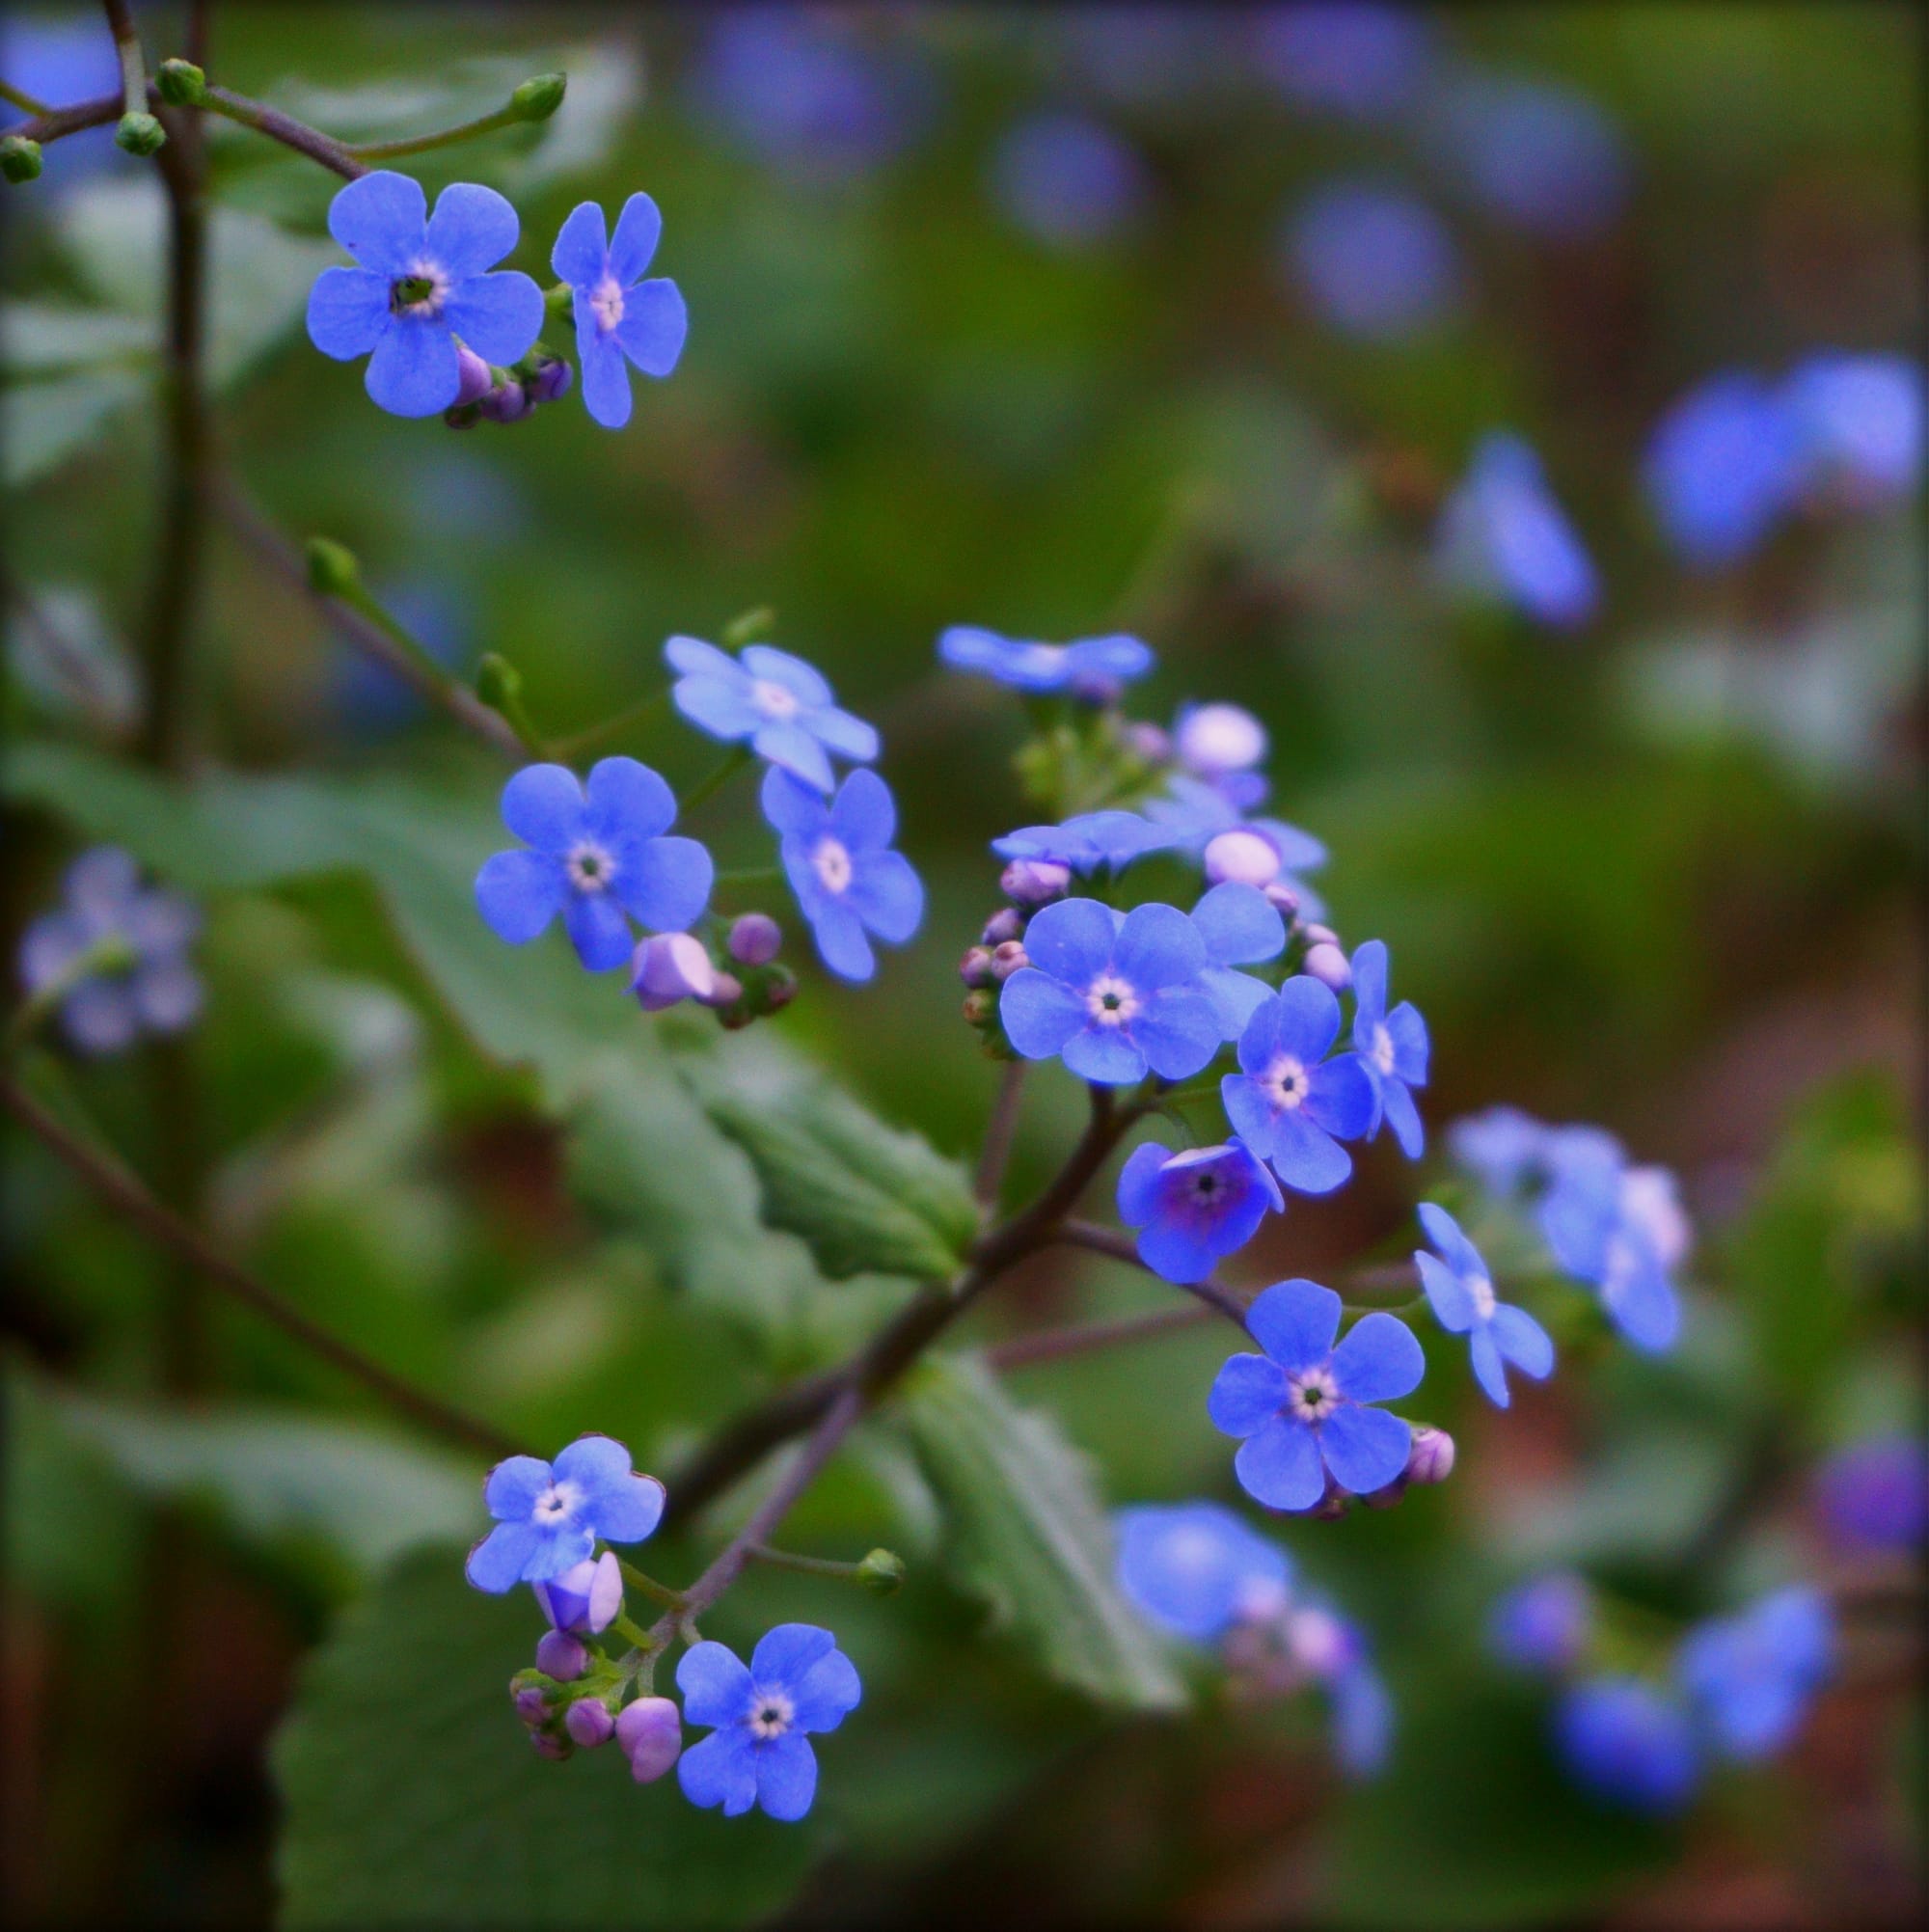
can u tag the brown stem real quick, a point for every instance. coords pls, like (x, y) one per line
(996, 1153)
(286, 130)
(1048, 1345)
(1121, 1246)
(63, 120)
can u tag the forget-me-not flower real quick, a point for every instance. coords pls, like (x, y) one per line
(1193, 1209)
(421, 281)
(1460, 1290)
(778, 704)
(1240, 927)
(1094, 668)
(1859, 424)
(1751, 1677)
(549, 1516)
(1306, 1409)
(1375, 261)
(1542, 1625)
(1289, 1103)
(1874, 1495)
(1621, 1230)
(1502, 1147)
(1501, 533)
(1196, 1569)
(1067, 179)
(838, 855)
(618, 314)
(1540, 156)
(1723, 467)
(1112, 993)
(797, 1682)
(1393, 1046)
(1210, 817)
(1363, 60)
(1628, 1742)
(595, 855)
(1110, 840)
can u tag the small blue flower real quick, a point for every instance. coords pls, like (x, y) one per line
(1240, 927)
(1196, 1569)
(1289, 1101)
(617, 312)
(1362, 1719)
(1068, 180)
(1541, 156)
(777, 704)
(422, 282)
(1393, 1046)
(1502, 1148)
(594, 857)
(1874, 1495)
(837, 856)
(1306, 1409)
(797, 1682)
(1375, 261)
(1092, 840)
(1629, 1743)
(1460, 1289)
(1752, 1677)
(1621, 1230)
(1542, 1625)
(1363, 60)
(1113, 993)
(1194, 1208)
(549, 1516)
(1723, 468)
(150, 988)
(1093, 668)
(1859, 421)
(1501, 533)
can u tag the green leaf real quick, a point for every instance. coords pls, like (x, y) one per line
(45, 337)
(44, 422)
(868, 1198)
(1028, 1534)
(413, 1798)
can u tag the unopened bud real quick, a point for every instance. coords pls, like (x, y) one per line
(561, 1656)
(332, 568)
(755, 939)
(497, 682)
(881, 1573)
(560, 301)
(1006, 923)
(726, 989)
(979, 1006)
(538, 98)
(474, 378)
(181, 83)
(649, 1733)
(506, 402)
(975, 968)
(1213, 739)
(548, 1745)
(590, 1723)
(780, 988)
(1242, 857)
(1007, 958)
(1329, 966)
(20, 158)
(586, 1598)
(1035, 881)
(551, 382)
(1430, 1459)
(140, 134)
(1316, 935)
(1151, 742)
(1282, 899)
(531, 1704)
(671, 966)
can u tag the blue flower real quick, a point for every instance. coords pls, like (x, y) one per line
(549, 1516)
(1362, 1718)
(1113, 993)
(1196, 1569)
(1722, 469)
(1359, 59)
(1542, 1625)
(1289, 1101)
(1541, 156)
(837, 856)
(617, 312)
(1629, 1743)
(1207, 818)
(1306, 1409)
(1194, 1208)
(1502, 533)
(1621, 1230)
(1087, 842)
(797, 1682)
(1094, 668)
(1875, 1494)
(1502, 1148)
(1859, 422)
(778, 702)
(140, 935)
(1375, 261)
(421, 282)
(594, 857)
(1240, 926)
(1751, 1677)
(1393, 1046)
(1068, 180)
(1460, 1289)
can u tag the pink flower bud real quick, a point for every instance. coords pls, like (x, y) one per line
(1153, 744)
(548, 1745)
(975, 968)
(1243, 856)
(650, 1734)
(1035, 881)
(755, 939)
(531, 1705)
(1007, 958)
(1006, 923)
(1430, 1459)
(1212, 738)
(560, 1656)
(472, 374)
(668, 968)
(550, 383)
(1282, 899)
(588, 1722)
(509, 403)
(1316, 935)
(1329, 966)
(1320, 1641)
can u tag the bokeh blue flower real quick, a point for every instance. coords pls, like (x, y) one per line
(1195, 1568)
(1460, 1290)
(778, 704)
(1372, 259)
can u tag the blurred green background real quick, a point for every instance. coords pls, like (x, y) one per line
(1661, 873)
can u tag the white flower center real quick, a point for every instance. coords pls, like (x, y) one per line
(1482, 1291)
(1041, 660)
(1311, 1396)
(1285, 1083)
(555, 1505)
(422, 291)
(606, 303)
(770, 1714)
(589, 866)
(1110, 1000)
(832, 864)
(1382, 1052)
(1261, 1599)
(773, 700)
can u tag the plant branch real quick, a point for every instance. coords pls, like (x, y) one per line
(999, 1132)
(331, 154)
(56, 122)
(19, 98)
(1048, 1345)
(509, 115)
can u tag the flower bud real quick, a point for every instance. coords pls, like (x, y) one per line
(1244, 857)
(548, 1745)
(560, 301)
(1430, 1459)
(780, 988)
(531, 1704)
(975, 968)
(561, 1656)
(1319, 1643)
(1006, 923)
(538, 98)
(507, 401)
(473, 380)
(726, 990)
(140, 134)
(181, 83)
(332, 568)
(1316, 935)
(586, 1597)
(1007, 959)
(1282, 899)
(497, 682)
(649, 1733)
(979, 1006)
(588, 1722)
(1212, 738)
(881, 1572)
(551, 382)
(1332, 1504)
(20, 158)
(1152, 743)
(671, 966)
(1035, 881)
(1329, 966)
(755, 939)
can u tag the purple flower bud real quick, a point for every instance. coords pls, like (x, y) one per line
(1320, 1641)
(755, 939)
(588, 1722)
(1007, 958)
(650, 1734)
(1329, 966)
(1035, 881)
(1430, 1459)
(1282, 899)
(727, 990)
(532, 1706)
(509, 403)
(586, 1598)
(1006, 923)
(560, 1656)
(473, 378)
(668, 968)
(1151, 742)
(1218, 738)
(550, 383)
(549, 1745)
(1244, 857)
(1316, 935)
(975, 968)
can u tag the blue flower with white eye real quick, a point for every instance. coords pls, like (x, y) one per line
(1289, 1103)
(549, 1516)
(1629, 1743)
(1752, 1677)
(1193, 1209)
(1859, 422)
(1196, 1569)
(838, 858)
(1460, 1290)
(1542, 1625)
(1874, 1495)
(1306, 1409)
(776, 703)
(423, 281)
(596, 853)
(618, 314)
(1240, 927)
(1723, 467)
(1375, 261)
(1619, 1229)
(1112, 993)
(1093, 668)
(1503, 534)
(139, 936)
(797, 1682)
(1393, 1046)
(1088, 842)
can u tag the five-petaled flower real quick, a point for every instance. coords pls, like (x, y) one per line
(1086, 843)
(1393, 1046)
(1619, 1229)
(1751, 1677)
(1196, 1569)
(797, 1682)
(1289, 1101)
(1460, 1289)
(776, 702)
(1094, 668)
(1112, 993)
(1305, 1407)
(1193, 1209)
(423, 281)
(595, 855)
(617, 312)
(549, 1516)
(838, 858)
(1240, 927)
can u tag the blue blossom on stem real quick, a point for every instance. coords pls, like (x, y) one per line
(1621, 1230)
(1542, 1625)
(778, 704)
(1629, 1743)
(1193, 1209)
(1306, 1409)
(797, 1682)
(595, 855)
(1210, 818)
(1874, 1495)
(1289, 1101)
(549, 1516)
(1086, 843)
(1393, 1046)
(423, 281)
(838, 858)
(1240, 927)
(1751, 1677)
(1094, 668)
(1196, 1569)
(1501, 533)
(1113, 993)
(1460, 1289)
(618, 314)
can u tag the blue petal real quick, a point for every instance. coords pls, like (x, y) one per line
(789, 672)
(1403, 1117)
(347, 310)
(413, 371)
(692, 657)
(1187, 1565)
(716, 1689)
(627, 800)
(381, 220)
(594, 1463)
(1141, 1190)
(1258, 1044)
(790, 747)
(1378, 1359)
(1118, 656)
(98, 1016)
(1409, 1032)
(863, 815)
(1455, 1249)
(967, 647)
(720, 706)
(1306, 1156)
(1307, 1017)
(1643, 1306)
(793, 807)
(472, 230)
(1246, 1394)
(1177, 1252)
(496, 1562)
(786, 1777)
(1039, 1012)
(1239, 924)
(1370, 990)
(1158, 947)
(1524, 1342)
(1072, 939)
(543, 805)
(887, 895)
(517, 893)
(582, 246)
(1362, 1721)
(1365, 1448)
(628, 1511)
(598, 930)
(1280, 1467)
(1248, 1112)
(510, 1490)
(841, 942)
(1178, 1032)
(722, 1770)
(665, 884)
(825, 1694)
(1453, 1305)
(606, 395)
(1105, 1055)
(498, 316)
(1488, 1369)
(638, 226)
(1340, 1097)
(558, 1550)
(849, 737)
(1235, 997)
(786, 1652)
(1295, 1322)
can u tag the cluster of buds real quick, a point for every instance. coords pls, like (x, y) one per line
(748, 984)
(1001, 949)
(490, 395)
(1428, 1460)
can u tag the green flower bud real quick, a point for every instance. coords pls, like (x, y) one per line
(753, 627)
(538, 98)
(560, 301)
(881, 1573)
(181, 84)
(20, 158)
(332, 568)
(139, 133)
(499, 684)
